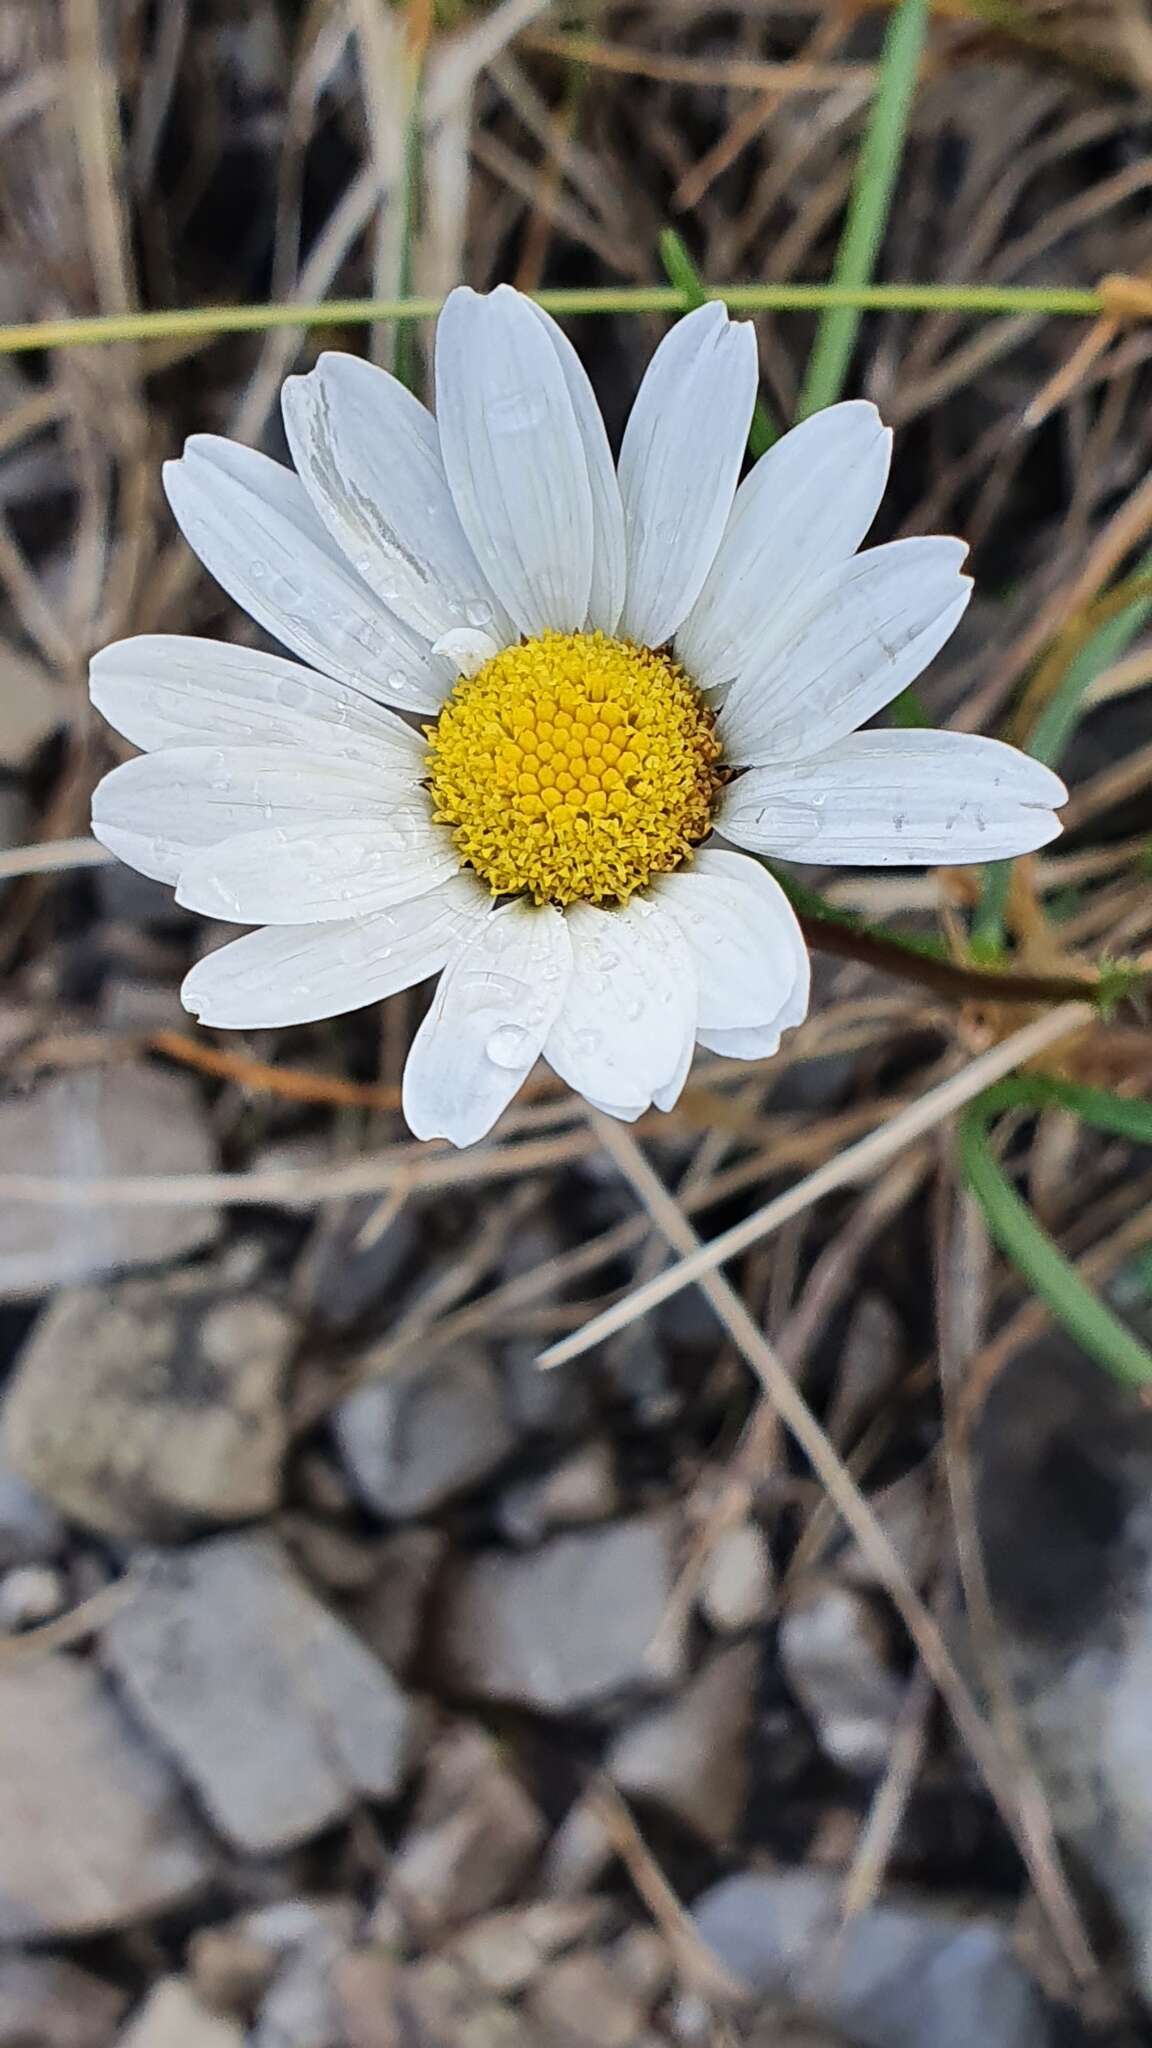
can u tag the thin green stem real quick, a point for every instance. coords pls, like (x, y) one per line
(404, 355)
(1064, 710)
(1118, 1115)
(205, 322)
(872, 190)
(1024, 1241)
(1050, 736)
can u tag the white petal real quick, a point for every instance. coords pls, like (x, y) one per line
(806, 505)
(624, 1113)
(185, 798)
(368, 454)
(668, 1095)
(743, 936)
(295, 974)
(850, 643)
(898, 799)
(467, 649)
(167, 690)
(253, 527)
(758, 1043)
(311, 873)
(609, 558)
(514, 457)
(487, 1023)
(679, 462)
(630, 1007)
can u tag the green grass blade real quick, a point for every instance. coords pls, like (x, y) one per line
(1118, 1115)
(205, 323)
(875, 181)
(908, 711)
(1061, 715)
(1023, 1240)
(682, 272)
(1053, 730)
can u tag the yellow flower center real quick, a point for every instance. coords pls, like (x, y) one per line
(573, 768)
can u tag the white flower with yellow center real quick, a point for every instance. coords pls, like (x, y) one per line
(601, 681)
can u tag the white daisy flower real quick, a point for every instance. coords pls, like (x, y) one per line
(542, 701)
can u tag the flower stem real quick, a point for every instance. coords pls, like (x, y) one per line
(875, 181)
(208, 321)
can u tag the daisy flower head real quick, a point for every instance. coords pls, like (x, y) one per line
(545, 712)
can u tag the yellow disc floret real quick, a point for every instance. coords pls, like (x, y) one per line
(573, 768)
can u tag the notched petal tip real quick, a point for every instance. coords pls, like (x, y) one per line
(713, 313)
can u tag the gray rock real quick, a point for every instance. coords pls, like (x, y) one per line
(173, 2017)
(300, 2009)
(46, 2002)
(92, 1831)
(289, 1925)
(350, 1266)
(643, 1959)
(581, 1489)
(736, 1585)
(151, 1407)
(1064, 1472)
(566, 1625)
(31, 1531)
(276, 1966)
(897, 1976)
(691, 1756)
(437, 2007)
(832, 1651)
(579, 1852)
(474, 1836)
(276, 1714)
(230, 1970)
(364, 1994)
(581, 2002)
(504, 1951)
(423, 1432)
(104, 1121)
(29, 1596)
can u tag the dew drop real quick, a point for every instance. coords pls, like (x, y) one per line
(517, 413)
(479, 612)
(295, 696)
(282, 590)
(509, 1046)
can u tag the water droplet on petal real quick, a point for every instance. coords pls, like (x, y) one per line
(517, 413)
(510, 1045)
